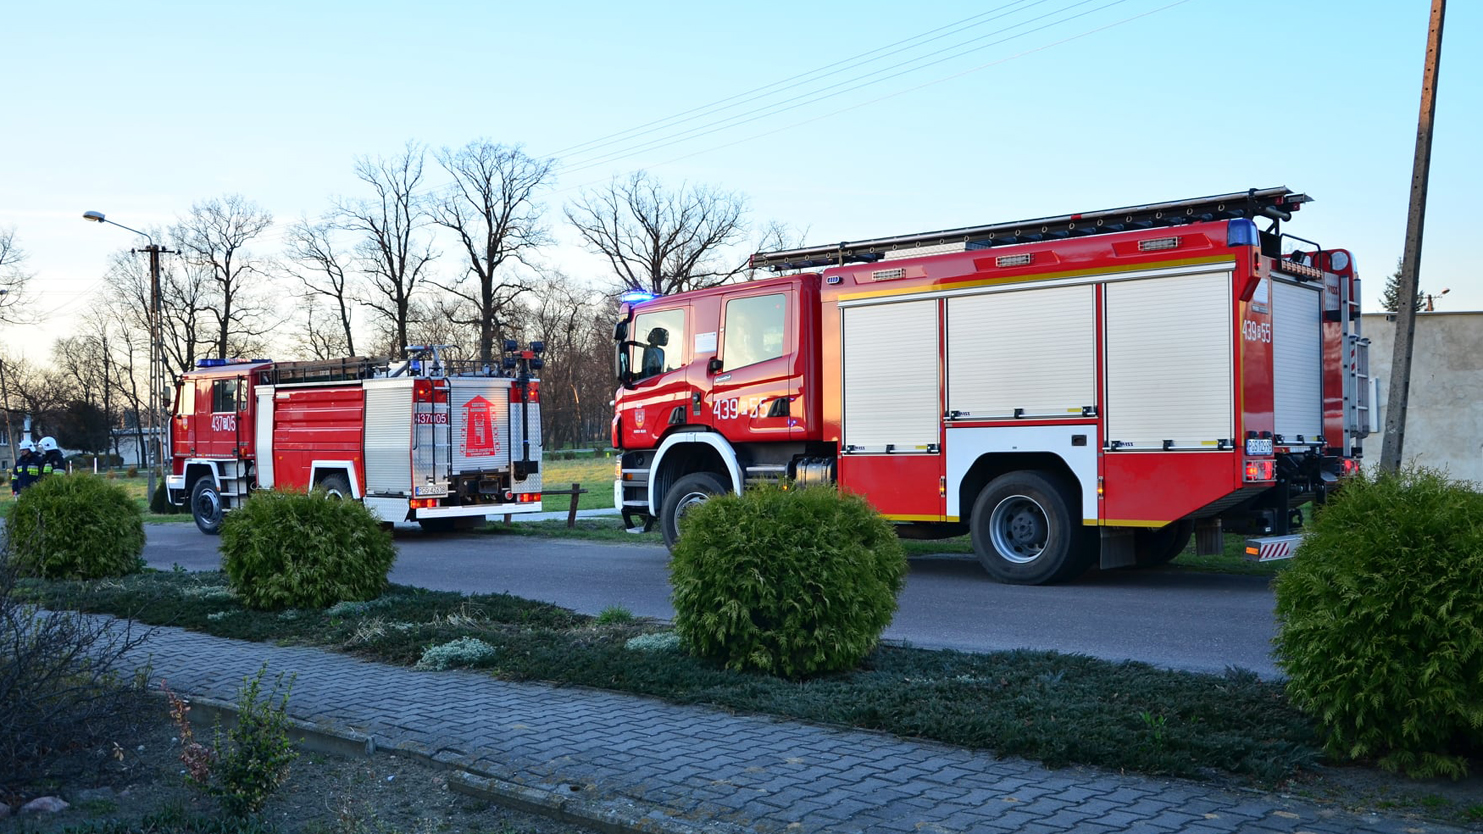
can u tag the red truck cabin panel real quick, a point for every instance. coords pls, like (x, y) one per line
(312, 424)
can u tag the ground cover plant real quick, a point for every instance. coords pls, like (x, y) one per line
(1057, 708)
(1380, 630)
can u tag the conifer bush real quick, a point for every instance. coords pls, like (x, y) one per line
(76, 527)
(1381, 633)
(793, 583)
(295, 550)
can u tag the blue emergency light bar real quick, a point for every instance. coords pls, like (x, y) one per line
(637, 296)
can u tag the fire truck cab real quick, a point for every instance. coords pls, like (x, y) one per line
(1085, 389)
(408, 439)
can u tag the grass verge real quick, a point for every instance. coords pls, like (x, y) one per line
(1060, 709)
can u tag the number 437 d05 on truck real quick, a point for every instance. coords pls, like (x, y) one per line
(1091, 388)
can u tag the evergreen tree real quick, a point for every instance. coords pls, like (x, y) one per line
(1390, 298)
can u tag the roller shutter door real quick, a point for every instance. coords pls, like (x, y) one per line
(1033, 351)
(891, 377)
(1169, 366)
(1297, 361)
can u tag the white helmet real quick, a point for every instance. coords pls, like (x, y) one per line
(28, 446)
(47, 444)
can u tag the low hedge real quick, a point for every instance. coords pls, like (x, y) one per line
(1381, 634)
(295, 550)
(76, 527)
(788, 582)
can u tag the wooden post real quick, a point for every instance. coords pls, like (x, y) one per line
(571, 515)
(1405, 318)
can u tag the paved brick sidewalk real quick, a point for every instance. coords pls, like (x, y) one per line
(707, 766)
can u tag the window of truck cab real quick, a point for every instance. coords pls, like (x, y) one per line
(223, 396)
(658, 343)
(755, 330)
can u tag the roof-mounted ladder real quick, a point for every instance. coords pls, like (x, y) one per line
(1275, 203)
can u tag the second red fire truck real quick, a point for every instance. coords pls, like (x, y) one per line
(411, 440)
(1085, 389)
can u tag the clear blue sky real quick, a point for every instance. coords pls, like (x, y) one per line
(138, 110)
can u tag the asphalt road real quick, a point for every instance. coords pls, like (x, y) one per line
(1194, 621)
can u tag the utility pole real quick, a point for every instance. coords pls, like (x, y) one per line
(156, 456)
(155, 448)
(1405, 320)
(9, 429)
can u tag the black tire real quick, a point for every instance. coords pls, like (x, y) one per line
(206, 506)
(695, 488)
(1026, 532)
(1157, 546)
(336, 486)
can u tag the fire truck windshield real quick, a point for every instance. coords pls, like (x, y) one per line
(658, 344)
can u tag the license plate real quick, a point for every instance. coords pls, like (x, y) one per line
(1259, 446)
(430, 491)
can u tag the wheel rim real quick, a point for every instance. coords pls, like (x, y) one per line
(688, 501)
(1019, 529)
(208, 505)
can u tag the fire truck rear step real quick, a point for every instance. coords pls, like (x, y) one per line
(1273, 548)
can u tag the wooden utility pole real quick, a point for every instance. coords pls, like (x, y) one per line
(1405, 319)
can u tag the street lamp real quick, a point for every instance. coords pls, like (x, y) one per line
(155, 353)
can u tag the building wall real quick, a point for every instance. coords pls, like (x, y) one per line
(1444, 412)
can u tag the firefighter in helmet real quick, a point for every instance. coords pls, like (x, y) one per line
(25, 465)
(51, 456)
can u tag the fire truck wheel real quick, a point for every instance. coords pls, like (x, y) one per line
(1024, 531)
(1157, 546)
(695, 488)
(335, 486)
(206, 507)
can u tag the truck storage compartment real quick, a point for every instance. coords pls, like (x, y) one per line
(1169, 367)
(1030, 353)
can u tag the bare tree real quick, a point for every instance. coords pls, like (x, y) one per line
(186, 314)
(320, 336)
(492, 211)
(214, 238)
(575, 322)
(321, 269)
(12, 277)
(391, 251)
(662, 241)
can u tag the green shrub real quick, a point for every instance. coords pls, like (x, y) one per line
(76, 527)
(251, 760)
(292, 550)
(789, 582)
(159, 503)
(614, 615)
(1381, 635)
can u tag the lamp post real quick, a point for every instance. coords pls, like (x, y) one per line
(156, 455)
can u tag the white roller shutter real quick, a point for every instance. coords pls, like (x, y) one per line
(389, 437)
(1031, 350)
(890, 377)
(1297, 361)
(1169, 366)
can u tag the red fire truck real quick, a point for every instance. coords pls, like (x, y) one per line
(1092, 388)
(409, 439)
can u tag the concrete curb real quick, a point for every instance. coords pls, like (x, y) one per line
(568, 803)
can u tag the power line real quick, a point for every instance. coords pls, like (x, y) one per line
(821, 94)
(842, 65)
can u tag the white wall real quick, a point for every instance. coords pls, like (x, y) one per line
(1444, 414)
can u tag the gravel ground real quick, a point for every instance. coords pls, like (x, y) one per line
(324, 794)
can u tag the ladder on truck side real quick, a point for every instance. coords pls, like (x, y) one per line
(1276, 204)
